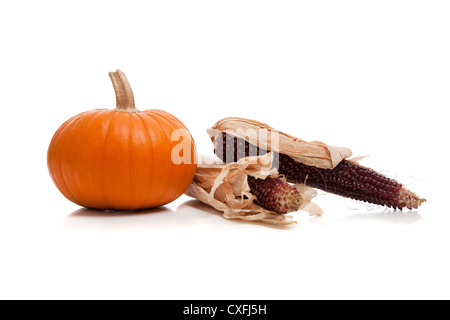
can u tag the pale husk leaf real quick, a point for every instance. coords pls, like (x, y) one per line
(225, 188)
(313, 153)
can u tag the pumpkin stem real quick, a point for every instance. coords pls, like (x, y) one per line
(124, 94)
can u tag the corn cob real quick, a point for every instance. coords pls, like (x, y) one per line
(275, 194)
(347, 179)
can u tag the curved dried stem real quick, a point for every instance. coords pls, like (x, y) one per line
(124, 94)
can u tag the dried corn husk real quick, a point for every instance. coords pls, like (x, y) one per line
(313, 153)
(225, 188)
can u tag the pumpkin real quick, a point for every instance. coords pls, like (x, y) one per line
(122, 159)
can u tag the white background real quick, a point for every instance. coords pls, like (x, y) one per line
(370, 75)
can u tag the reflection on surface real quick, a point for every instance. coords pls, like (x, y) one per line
(195, 213)
(107, 219)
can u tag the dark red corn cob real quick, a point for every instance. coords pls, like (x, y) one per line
(347, 179)
(275, 194)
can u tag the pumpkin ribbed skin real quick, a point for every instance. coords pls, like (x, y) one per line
(111, 159)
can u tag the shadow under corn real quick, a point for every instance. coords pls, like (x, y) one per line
(385, 216)
(203, 211)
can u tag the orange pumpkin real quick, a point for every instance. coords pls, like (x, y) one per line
(122, 159)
